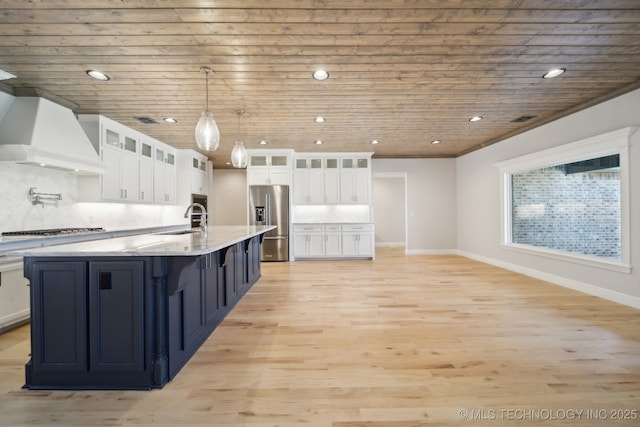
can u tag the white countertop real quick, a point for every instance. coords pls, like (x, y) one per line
(14, 243)
(158, 244)
(330, 222)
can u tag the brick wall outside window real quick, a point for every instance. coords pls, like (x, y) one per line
(578, 213)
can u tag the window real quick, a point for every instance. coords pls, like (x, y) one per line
(571, 202)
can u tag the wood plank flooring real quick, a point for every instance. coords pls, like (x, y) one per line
(399, 341)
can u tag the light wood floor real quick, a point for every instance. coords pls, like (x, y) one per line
(399, 341)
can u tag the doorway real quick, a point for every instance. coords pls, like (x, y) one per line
(390, 209)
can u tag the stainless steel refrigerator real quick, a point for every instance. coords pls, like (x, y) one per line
(269, 205)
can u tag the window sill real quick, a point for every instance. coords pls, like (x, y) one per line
(590, 261)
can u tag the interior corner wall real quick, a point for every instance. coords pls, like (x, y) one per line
(228, 198)
(478, 201)
(431, 202)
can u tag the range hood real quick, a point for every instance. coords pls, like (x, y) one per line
(39, 132)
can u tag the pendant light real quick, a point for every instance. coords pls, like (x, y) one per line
(239, 153)
(207, 132)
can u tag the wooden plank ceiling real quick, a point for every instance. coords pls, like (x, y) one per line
(404, 72)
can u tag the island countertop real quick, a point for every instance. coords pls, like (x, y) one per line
(189, 243)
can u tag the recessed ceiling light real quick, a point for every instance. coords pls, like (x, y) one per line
(319, 119)
(319, 142)
(98, 75)
(375, 141)
(436, 141)
(554, 73)
(170, 120)
(320, 75)
(263, 142)
(475, 119)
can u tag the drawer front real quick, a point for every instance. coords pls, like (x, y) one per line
(358, 227)
(308, 228)
(332, 228)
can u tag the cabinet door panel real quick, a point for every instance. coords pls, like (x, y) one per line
(349, 244)
(278, 177)
(365, 244)
(332, 187)
(59, 317)
(212, 302)
(193, 308)
(146, 181)
(258, 177)
(316, 187)
(362, 179)
(332, 244)
(116, 299)
(300, 248)
(129, 178)
(316, 244)
(228, 271)
(111, 177)
(347, 187)
(301, 187)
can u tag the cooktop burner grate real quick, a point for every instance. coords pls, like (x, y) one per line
(52, 231)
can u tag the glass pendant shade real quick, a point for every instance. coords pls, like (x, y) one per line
(239, 155)
(207, 132)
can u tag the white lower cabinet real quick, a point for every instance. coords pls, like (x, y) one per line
(14, 293)
(357, 240)
(333, 241)
(308, 241)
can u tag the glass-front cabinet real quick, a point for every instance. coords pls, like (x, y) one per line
(269, 167)
(332, 178)
(164, 174)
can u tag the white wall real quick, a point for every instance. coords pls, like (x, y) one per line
(478, 204)
(229, 204)
(431, 202)
(17, 212)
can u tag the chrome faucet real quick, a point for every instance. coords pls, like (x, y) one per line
(203, 215)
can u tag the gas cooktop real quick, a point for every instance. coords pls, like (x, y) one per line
(52, 231)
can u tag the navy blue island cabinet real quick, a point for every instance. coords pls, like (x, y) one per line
(129, 322)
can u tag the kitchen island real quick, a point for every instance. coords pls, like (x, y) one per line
(129, 312)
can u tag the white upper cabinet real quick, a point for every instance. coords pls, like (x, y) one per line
(139, 169)
(192, 175)
(343, 178)
(146, 171)
(331, 179)
(308, 177)
(119, 149)
(269, 167)
(355, 180)
(164, 174)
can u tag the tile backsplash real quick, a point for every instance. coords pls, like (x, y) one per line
(18, 213)
(331, 213)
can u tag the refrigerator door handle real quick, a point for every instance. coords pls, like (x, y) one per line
(269, 209)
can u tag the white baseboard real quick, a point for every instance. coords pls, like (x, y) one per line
(390, 244)
(576, 285)
(14, 318)
(431, 252)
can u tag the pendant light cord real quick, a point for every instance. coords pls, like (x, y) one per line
(206, 91)
(240, 112)
(206, 71)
